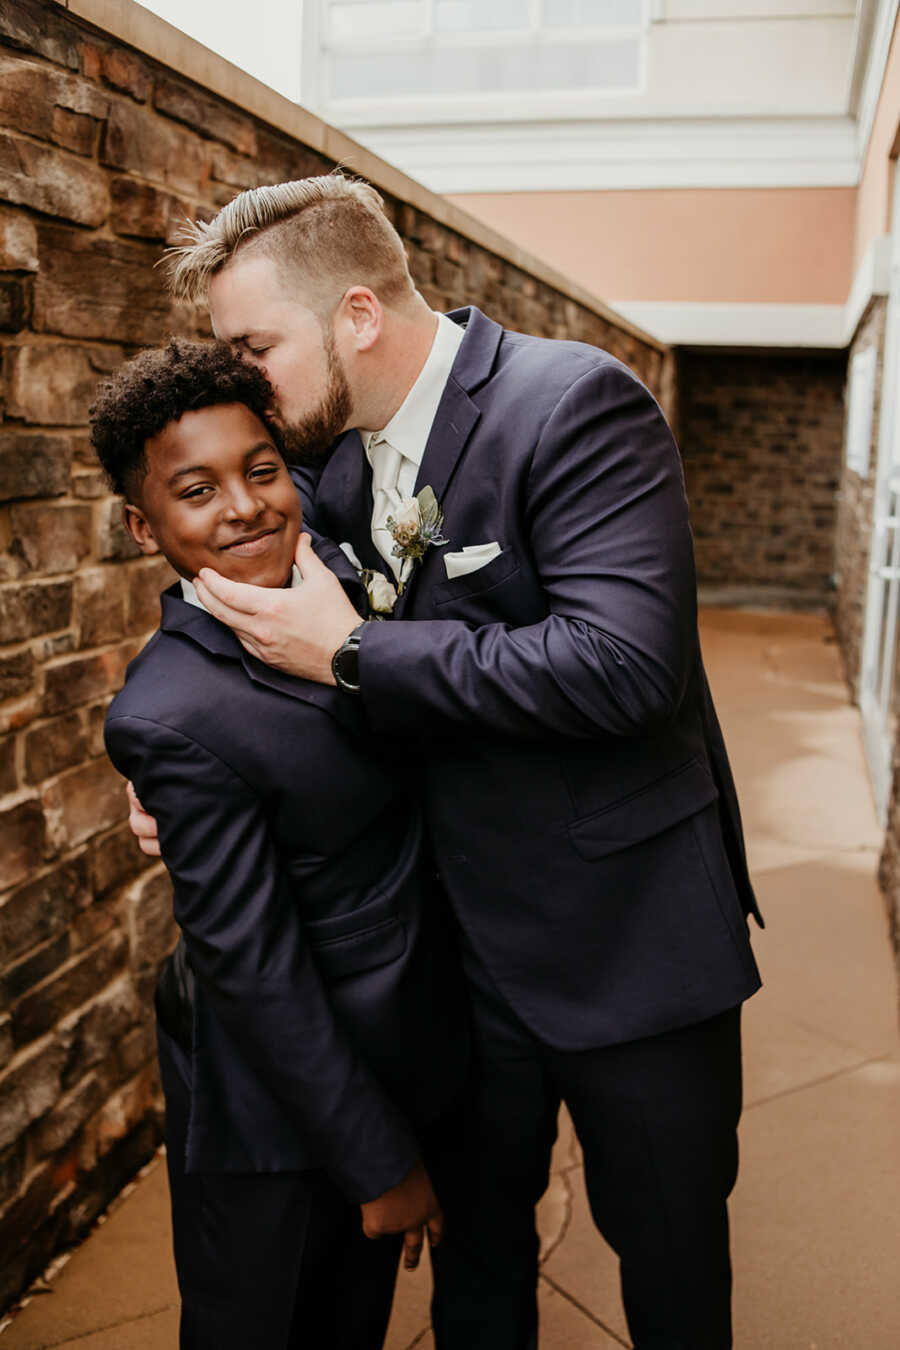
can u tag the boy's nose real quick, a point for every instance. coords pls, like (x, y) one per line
(243, 504)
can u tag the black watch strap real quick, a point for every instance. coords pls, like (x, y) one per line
(345, 662)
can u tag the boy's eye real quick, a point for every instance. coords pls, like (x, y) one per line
(264, 471)
(257, 351)
(192, 493)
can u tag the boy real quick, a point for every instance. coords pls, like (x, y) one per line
(308, 1021)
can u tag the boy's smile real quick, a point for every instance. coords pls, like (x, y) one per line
(217, 494)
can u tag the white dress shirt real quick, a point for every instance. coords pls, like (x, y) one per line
(410, 426)
(189, 590)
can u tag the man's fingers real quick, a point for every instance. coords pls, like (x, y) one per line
(306, 558)
(435, 1226)
(227, 600)
(413, 1239)
(142, 826)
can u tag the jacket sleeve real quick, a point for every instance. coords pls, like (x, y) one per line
(246, 946)
(306, 481)
(606, 519)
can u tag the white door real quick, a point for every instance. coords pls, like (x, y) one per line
(879, 656)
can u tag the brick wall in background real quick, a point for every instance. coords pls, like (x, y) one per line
(761, 438)
(102, 153)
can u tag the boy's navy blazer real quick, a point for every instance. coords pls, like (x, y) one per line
(327, 1019)
(578, 792)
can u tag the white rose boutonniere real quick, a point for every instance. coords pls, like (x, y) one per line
(414, 528)
(381, 592)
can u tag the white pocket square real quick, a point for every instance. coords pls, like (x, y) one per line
(470, 559)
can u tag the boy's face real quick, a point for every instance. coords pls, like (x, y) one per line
(217, 494)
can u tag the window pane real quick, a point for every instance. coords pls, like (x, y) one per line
(478, 16)
(581, 13)
(357, 22)
(519, 68)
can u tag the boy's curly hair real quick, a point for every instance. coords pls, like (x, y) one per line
(156, 388)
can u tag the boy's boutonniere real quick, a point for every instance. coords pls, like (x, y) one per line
(414, 529)
(381, 592)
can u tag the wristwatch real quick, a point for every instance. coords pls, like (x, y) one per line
(345, 662)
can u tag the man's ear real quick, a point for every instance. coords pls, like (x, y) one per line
(138, 527)
(361, 314)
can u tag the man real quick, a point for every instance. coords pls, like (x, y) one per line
(312, 1019)
(543, 657)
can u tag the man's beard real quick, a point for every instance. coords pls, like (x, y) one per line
(310, 440)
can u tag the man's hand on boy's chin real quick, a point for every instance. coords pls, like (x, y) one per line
(296, 630)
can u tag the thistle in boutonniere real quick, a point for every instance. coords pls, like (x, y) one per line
(381, 592)
(414, 529)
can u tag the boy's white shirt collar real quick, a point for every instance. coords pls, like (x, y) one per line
(189, 590)
(409, 428)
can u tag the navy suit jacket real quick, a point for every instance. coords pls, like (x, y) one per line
(579, 798)
(328, 1019)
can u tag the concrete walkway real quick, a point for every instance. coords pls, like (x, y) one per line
(816, 1214)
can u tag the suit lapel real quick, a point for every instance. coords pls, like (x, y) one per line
(453, 424)
(344, 494)
(336, 560)
(345, 490)
(197, 625)
(338, 705)
(457, 415)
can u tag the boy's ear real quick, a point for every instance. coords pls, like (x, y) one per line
(138, 527)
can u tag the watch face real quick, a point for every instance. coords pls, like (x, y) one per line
(346, 666)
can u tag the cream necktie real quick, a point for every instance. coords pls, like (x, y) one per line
(386, 462)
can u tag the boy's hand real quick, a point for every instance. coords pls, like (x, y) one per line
(297, 631)
(143, 827)
(409, 1207)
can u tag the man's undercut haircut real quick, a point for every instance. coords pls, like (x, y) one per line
(324, 234)
(159, 386)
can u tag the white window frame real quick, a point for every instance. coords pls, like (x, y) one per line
(500, 106)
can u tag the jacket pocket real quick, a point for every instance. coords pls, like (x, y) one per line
(494, 573)
(645, 813)
(348, 944)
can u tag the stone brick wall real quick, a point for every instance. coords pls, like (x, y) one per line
(102, 152)
(761, 437)
(854, 513)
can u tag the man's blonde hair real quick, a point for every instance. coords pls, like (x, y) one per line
(324, 234)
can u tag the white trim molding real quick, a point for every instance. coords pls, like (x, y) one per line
(879, 51)
(872, 278)
(739, 325)
(597, 155)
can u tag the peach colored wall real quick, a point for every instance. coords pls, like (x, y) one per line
(750, 245)
(874, 197)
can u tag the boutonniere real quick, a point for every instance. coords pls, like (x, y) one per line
(414, 529)
(382, 593)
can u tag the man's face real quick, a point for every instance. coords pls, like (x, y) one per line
(217, 494)
(250, 309)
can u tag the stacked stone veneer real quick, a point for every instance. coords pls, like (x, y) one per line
(761, 438)
(102, 153)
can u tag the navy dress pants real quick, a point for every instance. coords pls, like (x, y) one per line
(656, 1120)
(269, 1261)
